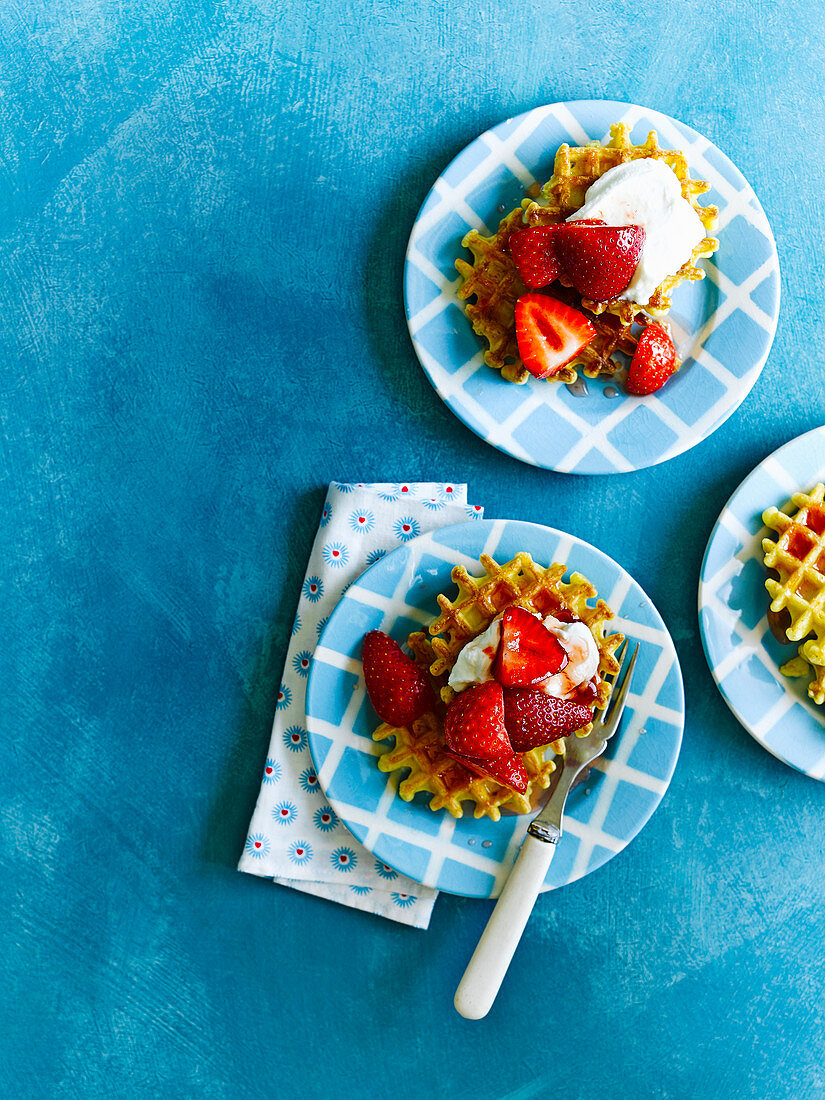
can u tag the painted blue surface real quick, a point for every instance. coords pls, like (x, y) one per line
(204, 212)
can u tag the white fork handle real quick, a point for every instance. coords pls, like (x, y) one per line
(486, 969)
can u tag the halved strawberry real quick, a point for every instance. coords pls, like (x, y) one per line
(599, 260)
(398, 689)
(527, 652)
(534, 256)
(549, 333)
(653, 362)
(533, 718)
(474, 723)
(509, 770)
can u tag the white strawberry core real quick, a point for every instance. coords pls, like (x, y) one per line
(648, 193)
(474, 664)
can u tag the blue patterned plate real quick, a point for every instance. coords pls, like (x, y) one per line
(743, 655)
(723, 325)
(467, 856)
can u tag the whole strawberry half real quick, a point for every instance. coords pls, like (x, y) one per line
(508, 770)
(534, 255)
(474, 722)
(549, 333)
(527, 652)
(533, 718)
(599, 260)
(398, 689)
(653, 362)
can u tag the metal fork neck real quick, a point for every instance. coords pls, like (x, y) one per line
(546, 831)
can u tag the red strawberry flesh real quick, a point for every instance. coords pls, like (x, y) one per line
(398, 689)
(653, 362)
(474, 722)
(549, 333)
(509, 770)
(599, 260)
(528, 653)
(533, 718)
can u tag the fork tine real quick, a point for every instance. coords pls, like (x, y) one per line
(618, 698)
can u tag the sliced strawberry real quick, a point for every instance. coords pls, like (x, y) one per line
(398, 689)
(474, 723)
(653, 362)
(533, 718)
(534, 256)
(599, 260)
(509, 770)
(549, 333)
(528, 652)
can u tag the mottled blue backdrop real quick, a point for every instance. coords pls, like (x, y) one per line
(204, 210)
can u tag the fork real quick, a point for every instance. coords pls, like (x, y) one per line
(486, 969)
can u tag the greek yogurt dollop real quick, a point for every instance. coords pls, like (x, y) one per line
(646, 192)
(474, 664)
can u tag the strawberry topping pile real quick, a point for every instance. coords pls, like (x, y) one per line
(489, 724)
(598, 260)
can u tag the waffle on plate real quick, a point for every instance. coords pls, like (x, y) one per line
(490, 285)
(420, 747)
(796, 559)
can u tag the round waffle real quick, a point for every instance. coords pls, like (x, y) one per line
(493, 282)
(421, 748)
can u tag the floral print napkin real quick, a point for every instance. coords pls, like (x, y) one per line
(294, 836)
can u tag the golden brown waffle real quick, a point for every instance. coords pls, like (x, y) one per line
(797, 557)
(577, 167)
(421, 749)
(492, 280)
(797, 667)
(520, 582)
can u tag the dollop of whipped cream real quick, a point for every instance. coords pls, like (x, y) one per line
(646, 192)
(474, 664)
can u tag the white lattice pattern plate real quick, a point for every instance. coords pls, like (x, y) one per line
(723, 325)
(467, 856)
(743, 655)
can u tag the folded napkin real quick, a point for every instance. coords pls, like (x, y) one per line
(294, 836)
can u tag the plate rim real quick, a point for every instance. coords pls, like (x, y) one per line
(756, 369)
(701, 604)
(483, 524)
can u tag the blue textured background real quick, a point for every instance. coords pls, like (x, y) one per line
(204, 214)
